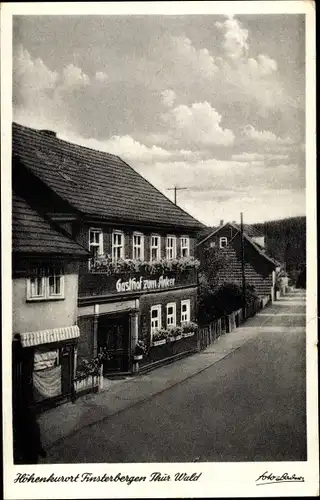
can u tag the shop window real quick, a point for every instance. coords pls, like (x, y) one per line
(171, 247)
(155, 314)
(185, 311)
(46, 284)
(117, 245)
(138, 246)
(223, 242)
(95, 244)
(155, 249)
(185, 246)
(171, 314)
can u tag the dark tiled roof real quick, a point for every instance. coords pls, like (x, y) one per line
(96, 183)
(32, 234)
(251, 231)
(247, 229)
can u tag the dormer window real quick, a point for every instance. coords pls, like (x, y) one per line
(138, 246)
(185, 246)
(117, 245)
(95, 244)
(171, 247)
(223, 242)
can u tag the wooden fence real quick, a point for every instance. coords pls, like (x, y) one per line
(92, 383)
(220, 326)
(207, 334)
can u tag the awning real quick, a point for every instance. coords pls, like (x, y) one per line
(29, 339)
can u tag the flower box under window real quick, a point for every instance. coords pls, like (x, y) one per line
(156, 343)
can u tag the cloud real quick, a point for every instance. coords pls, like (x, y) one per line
(247, 157)
(101, 76)
(258, 157)
(220, 189)
(254, 79)
(263, 65)
(235, 38)
(74, 76)
(265, 136)
(31, 75)
(198, 124)
(168, 97)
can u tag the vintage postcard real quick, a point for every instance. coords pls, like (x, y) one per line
(159, 250)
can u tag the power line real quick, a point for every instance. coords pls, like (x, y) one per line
(175, 189)
(242, 268)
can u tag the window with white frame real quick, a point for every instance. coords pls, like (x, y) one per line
(223, 242)
(117, 245)
(138, 246)
(46, 284)
(185, 246)
(171, 314)
(155, 248)
(95, 244)
(212, 244)
(185, 311)
(155, 319)
(55, 284)
(171, 247)
(36, 288)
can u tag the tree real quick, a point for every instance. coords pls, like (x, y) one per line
(214, 303)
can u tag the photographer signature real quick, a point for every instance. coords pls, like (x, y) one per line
(269, 478)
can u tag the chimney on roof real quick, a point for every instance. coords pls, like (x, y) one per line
(50, 133)
(221, 222)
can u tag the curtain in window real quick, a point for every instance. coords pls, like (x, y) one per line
(46, 359)
(47, 383)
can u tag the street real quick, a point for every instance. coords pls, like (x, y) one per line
(250, 406)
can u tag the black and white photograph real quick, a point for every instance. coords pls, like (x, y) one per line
(160, 180)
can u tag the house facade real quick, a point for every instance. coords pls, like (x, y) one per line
(45, 267)
(141, 275)
(260, 269)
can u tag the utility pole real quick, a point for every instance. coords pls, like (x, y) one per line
(242, 268)
(175, 189)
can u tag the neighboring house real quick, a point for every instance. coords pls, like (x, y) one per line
(260, 268)
(141, 275)
(45, 265)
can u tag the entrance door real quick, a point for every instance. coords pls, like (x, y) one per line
(113, 334)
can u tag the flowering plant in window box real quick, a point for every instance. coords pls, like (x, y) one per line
(140, 350)
(159, 337)
(186, 263)
(189, 329)
(174, 333)
(104, 264)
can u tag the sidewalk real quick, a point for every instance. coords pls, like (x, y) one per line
(118, 395)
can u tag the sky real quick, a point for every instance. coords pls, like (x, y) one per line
(214, 104)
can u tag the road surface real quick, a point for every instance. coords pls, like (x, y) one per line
(250, 406)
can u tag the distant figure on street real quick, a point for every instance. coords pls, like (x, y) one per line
(26, 437)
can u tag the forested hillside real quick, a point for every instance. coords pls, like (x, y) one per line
(286, 241)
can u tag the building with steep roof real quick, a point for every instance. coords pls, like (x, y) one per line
(141, 276)
(45, 269)
(260, 268)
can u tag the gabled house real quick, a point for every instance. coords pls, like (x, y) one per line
(141, 275)
(260, 268)
(45, 267)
